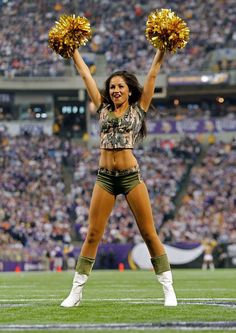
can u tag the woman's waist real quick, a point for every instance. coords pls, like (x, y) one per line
(117, 159)
(116, 173)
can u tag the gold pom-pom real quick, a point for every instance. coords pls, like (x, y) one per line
(68, 34)
(166, 31)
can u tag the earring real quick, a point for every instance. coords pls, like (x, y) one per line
(129, 94)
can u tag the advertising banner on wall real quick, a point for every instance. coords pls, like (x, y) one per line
(140, 257)
(111, 256)
(186, 126)
(191, 126)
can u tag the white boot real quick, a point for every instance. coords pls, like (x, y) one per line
(75, 295)
(166, 280)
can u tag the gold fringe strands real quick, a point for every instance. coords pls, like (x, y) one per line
(166, 31)
(68, 34)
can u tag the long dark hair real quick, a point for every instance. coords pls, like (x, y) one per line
(135, 89)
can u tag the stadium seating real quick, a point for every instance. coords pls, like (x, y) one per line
(41, 211)
(118, 35)
(208, 208)
(46, 181)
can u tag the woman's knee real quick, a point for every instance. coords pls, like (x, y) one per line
(94, 236)
(150, 238)
(154, 244)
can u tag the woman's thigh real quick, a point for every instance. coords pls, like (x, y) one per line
(139, 203)
(101, 206)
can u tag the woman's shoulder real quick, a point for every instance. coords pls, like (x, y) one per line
(137, 107)
(103, 107)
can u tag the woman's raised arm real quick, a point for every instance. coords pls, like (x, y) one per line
(89, 81)
(150, 80)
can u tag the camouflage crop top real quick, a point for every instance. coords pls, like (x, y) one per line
(120, 132)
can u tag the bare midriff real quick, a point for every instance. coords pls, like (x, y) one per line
(117, 159)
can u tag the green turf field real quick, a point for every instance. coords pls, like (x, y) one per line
(118, 301)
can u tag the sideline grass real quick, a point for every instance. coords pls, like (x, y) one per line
(113, 297)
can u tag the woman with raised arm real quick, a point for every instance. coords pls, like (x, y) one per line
(122, 110)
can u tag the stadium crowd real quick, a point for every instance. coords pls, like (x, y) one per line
(208, 208)
(33, 204)
(46, 181)
(117, 26)
(40, 212)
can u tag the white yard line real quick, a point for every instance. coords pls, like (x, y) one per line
(146, 299)
(179, 326)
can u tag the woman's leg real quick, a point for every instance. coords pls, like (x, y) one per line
(139, 202)
(102, 203)
(101, 206)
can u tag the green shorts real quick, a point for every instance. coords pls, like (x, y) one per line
(119, 182)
